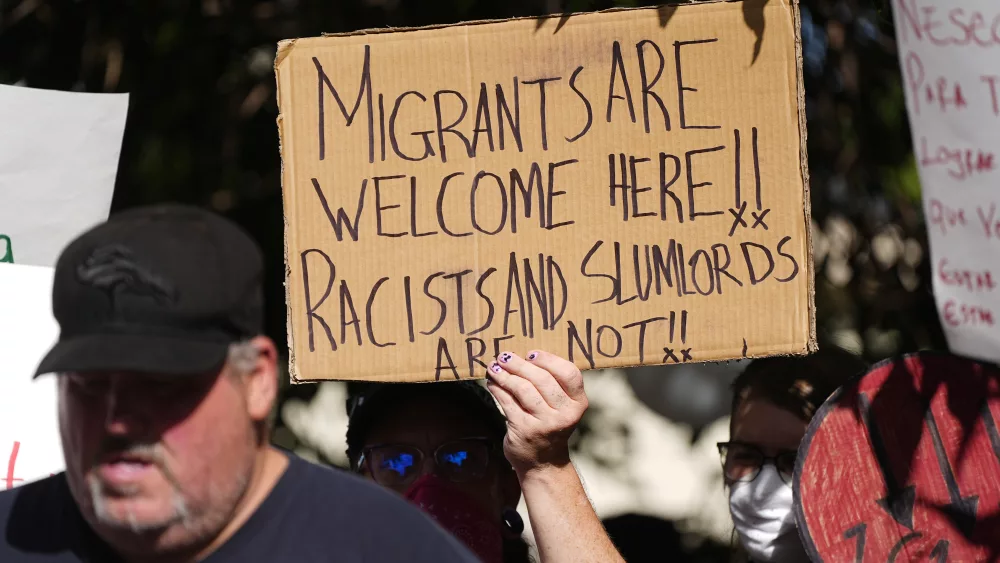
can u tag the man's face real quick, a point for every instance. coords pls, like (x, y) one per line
(427, 422)
(154, 455)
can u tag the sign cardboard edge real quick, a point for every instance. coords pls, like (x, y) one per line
(540, 20)
(585, 368)
(812, 344)
(284, 49)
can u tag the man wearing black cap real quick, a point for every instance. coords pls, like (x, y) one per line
(165, 389)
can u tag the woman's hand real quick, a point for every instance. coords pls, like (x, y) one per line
(543, 399)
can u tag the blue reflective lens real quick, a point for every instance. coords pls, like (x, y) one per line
(399, 463)
(457, 458)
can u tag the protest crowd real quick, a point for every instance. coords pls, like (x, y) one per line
(477, 219)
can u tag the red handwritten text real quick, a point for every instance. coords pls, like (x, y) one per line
(945, 217)
(960, 163)
(991, 225)
(971, 280)
(10, 480)
(992, 81)
(956, 26)
(956, 314)
(940, 90)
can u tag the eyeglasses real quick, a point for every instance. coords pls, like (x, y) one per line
(741, 462)
(397, 466)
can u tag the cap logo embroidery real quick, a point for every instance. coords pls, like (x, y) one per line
(114, 270)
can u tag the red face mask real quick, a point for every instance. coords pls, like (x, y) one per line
(460, 515)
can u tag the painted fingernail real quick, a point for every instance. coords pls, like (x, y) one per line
(505, 357)
(495, 367)
(532, 355)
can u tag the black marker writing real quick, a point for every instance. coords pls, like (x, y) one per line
(365, 91)
(681, 88)
(543, 113)
(310, 306)
(340, 220)
(483, 120)
(586, 103)
(442, 129)
(618, 67)
(647, 86)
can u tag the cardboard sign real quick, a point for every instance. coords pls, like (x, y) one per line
(947, 51)
(904, 465)
(29, 426)
(58, 160)
(620, 188)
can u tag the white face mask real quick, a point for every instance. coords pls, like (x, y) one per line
(764, 519)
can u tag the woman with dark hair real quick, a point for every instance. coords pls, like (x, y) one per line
(773, 401)
(447, 448)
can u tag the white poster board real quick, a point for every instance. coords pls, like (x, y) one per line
(950, 57)
(58, 160)
(29, 431)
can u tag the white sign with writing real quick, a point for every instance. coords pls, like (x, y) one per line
(950, 56)
(29, 430)
(58, 160)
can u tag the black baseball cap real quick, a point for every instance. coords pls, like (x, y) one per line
(159, 290)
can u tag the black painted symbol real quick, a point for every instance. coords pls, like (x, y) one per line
(669, 355)
(901, 544)
(861, 532)
(899, 500)
(744, 347)
(961, 510)
(758, 219)
(686, 355)
(991, 430)
(738, 219)
(940, 551)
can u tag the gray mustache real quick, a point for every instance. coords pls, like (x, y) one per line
(119, 447)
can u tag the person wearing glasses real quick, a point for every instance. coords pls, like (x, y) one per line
(448, 449)
(773, 401)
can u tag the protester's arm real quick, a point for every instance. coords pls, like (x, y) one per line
(543, 399)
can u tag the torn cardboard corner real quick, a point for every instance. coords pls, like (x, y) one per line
(618, 188)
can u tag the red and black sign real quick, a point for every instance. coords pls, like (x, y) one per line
(904, 465)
